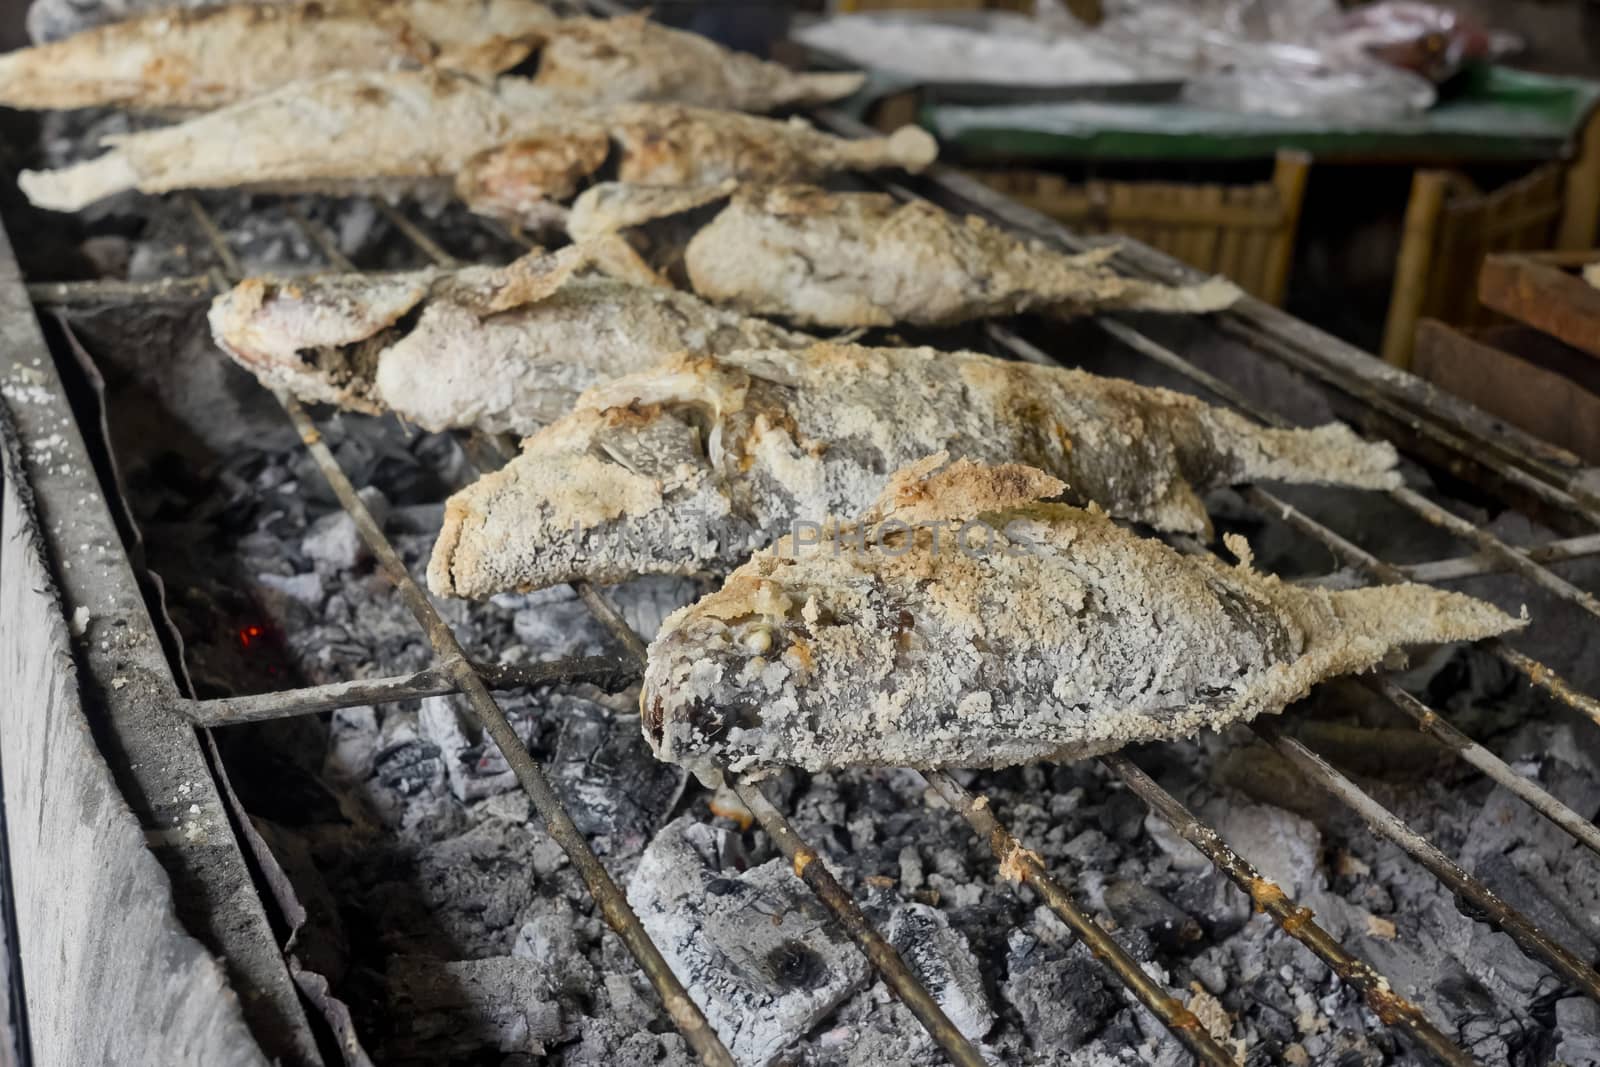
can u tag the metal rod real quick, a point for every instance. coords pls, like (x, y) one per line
(1533, 941)
(117, 291)
(1481, 563)
(1297, 922)
(610, 674)
(318, 235)
(414, 234)
(809, 868)
(219, 244)
(1435, 726)
(455, 665)
(1019, 865)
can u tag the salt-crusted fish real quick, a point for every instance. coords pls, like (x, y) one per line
(1047, 633)
(493, 348)
(633, 58)
(866, 259)
(671, 144)
(343, 133)
(199, 58)
(691, 466)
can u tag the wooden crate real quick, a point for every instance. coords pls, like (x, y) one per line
(1245, 232)
(1451, 227)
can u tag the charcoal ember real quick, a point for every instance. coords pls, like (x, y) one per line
(302, 588)
(472, 764)
(552, 935)
(764, 957)
(645, 603)
(1059, 991)
(405, 761)
(619, 794)
(462, 896)
(352, 744)
(1137, 906)
(334, 542)
(443, 1009)
(941, 958)
(1578, 1022)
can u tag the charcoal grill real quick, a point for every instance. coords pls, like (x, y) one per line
(161, 732)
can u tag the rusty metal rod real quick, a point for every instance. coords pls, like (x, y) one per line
(413, 233)
(608, 673)
(810, 868)
(453, 663)
(117, 291)
(1297, 922)
(1431, 723)
(1537, 673)
(219, 244)
(1534, 942)
(318, 235)
(1445, 570)
(1019, 865)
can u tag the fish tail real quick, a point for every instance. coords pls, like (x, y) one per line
(76, 187)
(821, 87)
(1213, 294)
(1409, 614)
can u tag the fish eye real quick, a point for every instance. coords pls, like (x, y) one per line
(758, 639)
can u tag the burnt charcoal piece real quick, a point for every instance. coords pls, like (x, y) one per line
(764, 959)
(1137, 906)
(618, 793)
(940, 957)
(1060, 993)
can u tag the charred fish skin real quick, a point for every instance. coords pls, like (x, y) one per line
(201, 58)
(809, 435)
(854, 260)
(631, 57)
(499, 349)
(1063, 637)
(660, 144)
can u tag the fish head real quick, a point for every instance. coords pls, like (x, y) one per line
(317, 337)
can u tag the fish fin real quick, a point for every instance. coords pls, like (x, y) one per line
(933, 489)
(611, 207)
(614, 257)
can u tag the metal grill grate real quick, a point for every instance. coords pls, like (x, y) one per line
(1431, 426)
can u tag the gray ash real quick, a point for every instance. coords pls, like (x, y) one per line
(458, 932)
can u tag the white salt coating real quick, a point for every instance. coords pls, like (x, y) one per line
(203, 59)
(866, 259)
(1090, 639)
(342, 133)
(671, 145)
(702, 461)
(492, 348)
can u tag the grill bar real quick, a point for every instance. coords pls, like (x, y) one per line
(1436, 727)
(1533, 940)
(1019, 865)
(1297, 922)
(810, 869)
(609, 674)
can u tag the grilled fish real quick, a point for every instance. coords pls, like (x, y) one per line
(1047, 633)
(866, 259)
(670, 144)
(494, 348)
(693, 465)
(632, 58)
(201, 58)
(344, 133)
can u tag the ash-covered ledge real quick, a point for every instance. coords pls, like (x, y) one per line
(102, 778)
